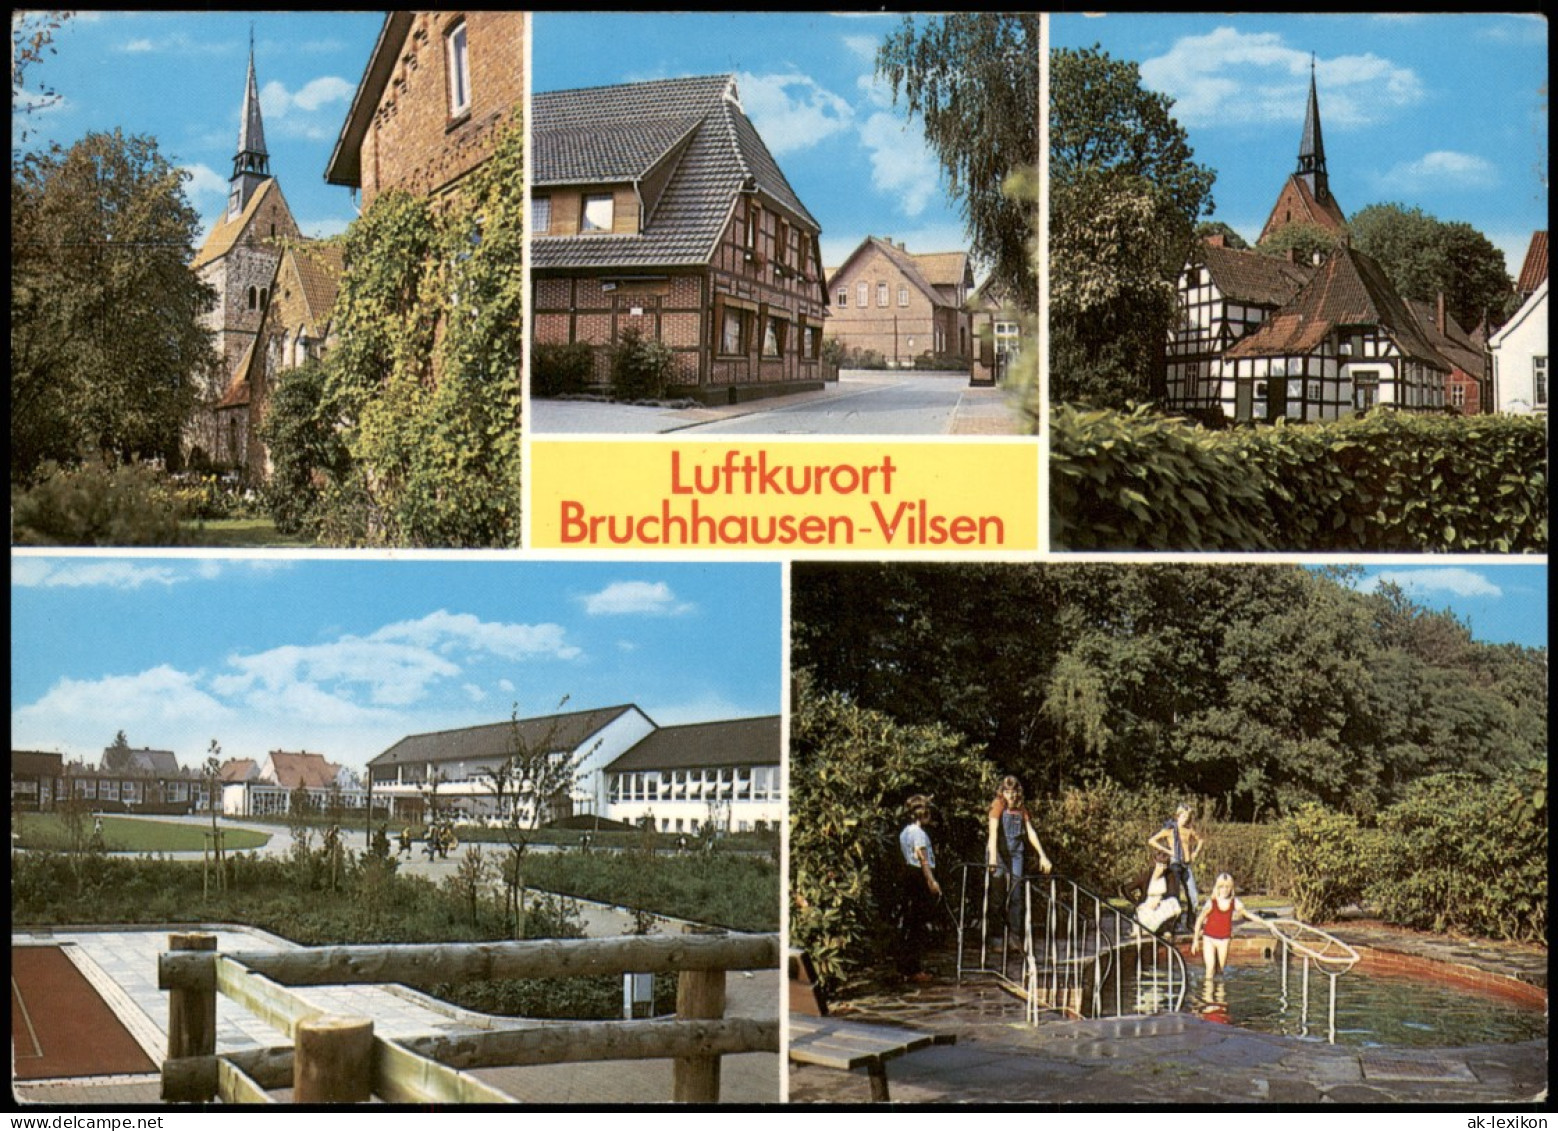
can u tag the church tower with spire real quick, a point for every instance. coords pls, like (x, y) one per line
(1306, 197)
(238, 261)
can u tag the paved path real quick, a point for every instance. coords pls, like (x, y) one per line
(122, 966)
(860, 402)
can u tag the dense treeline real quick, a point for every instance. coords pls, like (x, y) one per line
(1262, 686)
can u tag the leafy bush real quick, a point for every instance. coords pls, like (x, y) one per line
(851, 771)
(1098, 834)
(1325, 861)
(96, 504)
(1462, 854)
(640, 370)
(556, 370)
(1383, 482)
(738, 892)
(929, 360)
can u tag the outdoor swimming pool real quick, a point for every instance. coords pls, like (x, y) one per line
(1372, 1007)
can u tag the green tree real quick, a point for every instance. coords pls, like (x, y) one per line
(106, 346)
(307, 451)
(117, 755)
(1125, 196)
(1217, 228)
(1306, 242)
(1426, 257)
(971, 78)
(537, 777)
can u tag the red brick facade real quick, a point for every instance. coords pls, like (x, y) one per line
(883, 303)
(418, 123)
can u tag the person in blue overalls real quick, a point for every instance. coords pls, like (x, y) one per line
(1182, 844)
(1011, 831)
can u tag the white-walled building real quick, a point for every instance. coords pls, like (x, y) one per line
(682, 777)
(266, 789)
(1519, 351)
(629, 768)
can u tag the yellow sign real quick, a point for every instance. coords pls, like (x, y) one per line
(784, 496)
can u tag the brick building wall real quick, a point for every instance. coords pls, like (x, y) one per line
(897, 319)
(417, 141)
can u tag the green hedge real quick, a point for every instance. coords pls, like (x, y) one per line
(559, 369)
(1383, 481)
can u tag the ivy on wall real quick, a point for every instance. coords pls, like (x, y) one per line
(423, 383)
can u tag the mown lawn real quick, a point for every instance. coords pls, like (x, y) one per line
(240, 532)
(121, 834)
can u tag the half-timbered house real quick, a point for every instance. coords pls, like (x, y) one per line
(1465, 388)
(1344, 343)
(1224, 293)
(655, 207)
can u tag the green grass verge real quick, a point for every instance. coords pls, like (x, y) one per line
(46, 831)
(239, 532)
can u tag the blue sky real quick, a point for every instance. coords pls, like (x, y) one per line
(179, 76)
(346, 657)
(1443, 112)
(1502, 603)
(807, 81)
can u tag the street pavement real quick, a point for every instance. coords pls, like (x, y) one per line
(860, 402)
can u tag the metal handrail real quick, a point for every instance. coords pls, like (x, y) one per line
(1078, 955)
(1327, 953)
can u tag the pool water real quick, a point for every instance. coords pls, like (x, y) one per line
(1372, 1009)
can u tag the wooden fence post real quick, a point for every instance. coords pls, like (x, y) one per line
(192, 1010)
(700, 995)
(332, 1060)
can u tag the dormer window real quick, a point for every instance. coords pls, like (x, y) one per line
(458, 54)
(599, 213)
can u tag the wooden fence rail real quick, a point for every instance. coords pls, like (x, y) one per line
(432, 1069)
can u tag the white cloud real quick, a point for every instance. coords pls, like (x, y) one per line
(506, 686)
(1442, 169)
(863, 47)
(700, 709)
(1449, 579)
(40, 573)
(901, 165)
(310, 112)
(202, 182)
(176, 43)
(1232, 77)
(648, 598)
(69, 573)
(473, 693)
(446, 631)
(147, 701)
(792, 111)
(289, 678)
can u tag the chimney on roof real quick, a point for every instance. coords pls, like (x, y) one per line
(1439, 319)
(1216, 239)
(1293, 255)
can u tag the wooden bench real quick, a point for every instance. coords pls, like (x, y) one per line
(848, 1045)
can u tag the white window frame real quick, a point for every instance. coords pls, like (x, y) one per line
(588, 223)
(1539, 380)
(541, 214)
(457, 53)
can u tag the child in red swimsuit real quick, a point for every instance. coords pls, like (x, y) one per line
(1215, 923)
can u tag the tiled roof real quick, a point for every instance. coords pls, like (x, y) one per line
(154, 761)
(238, 390)
(1534, 269)
(736, 742)
(616, 134)
(228, 231)
(238, 769)
(1253, 277)
(566, 732)
(302, 769)
(36, 763)
(1452, 343)
(914, 267)
(319, 268)
(943, 268)
(1348, 289)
